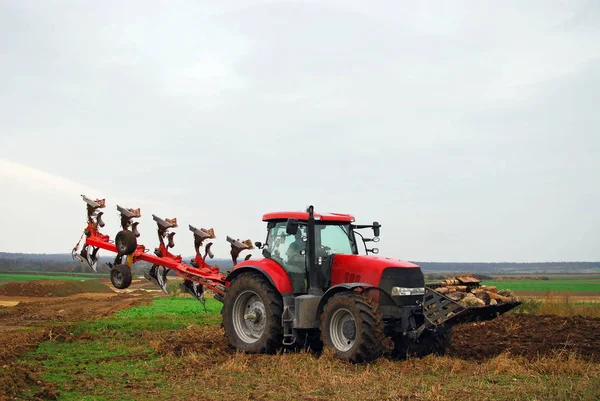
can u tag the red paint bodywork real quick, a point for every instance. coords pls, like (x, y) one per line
(303, 216)
(345, 269)
(272, 269)
(363, 268)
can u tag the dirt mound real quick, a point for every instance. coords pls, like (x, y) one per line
(27, 314)
(529, 336)
(51, 288)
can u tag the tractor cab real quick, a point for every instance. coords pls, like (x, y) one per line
(288, 244)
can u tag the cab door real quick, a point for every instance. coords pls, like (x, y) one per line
(289, 252)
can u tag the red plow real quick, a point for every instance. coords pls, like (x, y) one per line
(198, 275)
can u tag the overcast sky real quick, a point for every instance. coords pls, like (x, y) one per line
(469, 129)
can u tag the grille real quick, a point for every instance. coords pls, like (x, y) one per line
(402, 277)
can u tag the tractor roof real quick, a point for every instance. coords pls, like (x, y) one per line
(303, 216)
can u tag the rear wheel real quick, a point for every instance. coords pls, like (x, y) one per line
(120, 276)
(126, 242)
(352, 326)
(252, 314)
(429, 343)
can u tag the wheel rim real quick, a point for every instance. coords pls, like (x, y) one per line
(117, 278)
(122, 246)
(249, 316)
(342, 330)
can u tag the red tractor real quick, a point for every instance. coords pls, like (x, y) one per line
(310, 289)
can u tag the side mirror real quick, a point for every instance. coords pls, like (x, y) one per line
(258, 244)
(291, 227)
(376, 227)
(373, 250)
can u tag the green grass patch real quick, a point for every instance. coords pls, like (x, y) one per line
(551, 285)
(112, 359)
(8, 277)
(161, 314)
(75, 367)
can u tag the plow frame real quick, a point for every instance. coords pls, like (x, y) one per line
(202, 273)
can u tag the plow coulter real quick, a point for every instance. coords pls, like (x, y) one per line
(311, 289)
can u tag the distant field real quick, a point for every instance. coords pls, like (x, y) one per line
(51, 273)
(575, 284)
(8, 277)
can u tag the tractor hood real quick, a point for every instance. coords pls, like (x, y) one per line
(363, 268)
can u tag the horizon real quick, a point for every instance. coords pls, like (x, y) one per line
(67, 254)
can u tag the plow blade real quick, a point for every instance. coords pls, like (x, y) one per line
(158, 276)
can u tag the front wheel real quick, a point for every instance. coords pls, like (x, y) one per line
(252, 314)
(120, 276)
(352, 326)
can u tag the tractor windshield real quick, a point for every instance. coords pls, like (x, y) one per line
(335, 238)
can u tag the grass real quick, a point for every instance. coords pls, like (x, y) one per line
(57, 273)
(163, 314)
(76, 368)
(553, 285)
(564, 307)
(8, 277)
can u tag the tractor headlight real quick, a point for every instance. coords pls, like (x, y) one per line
(402, 291)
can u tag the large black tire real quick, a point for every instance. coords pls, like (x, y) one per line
(120, 276)
(126, 242)
(352, 326)
(429, 343)
(252, 314)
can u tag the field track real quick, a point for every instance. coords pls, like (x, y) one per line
(512, 347)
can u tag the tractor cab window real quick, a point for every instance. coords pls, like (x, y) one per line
(287, 250)
(335, 238)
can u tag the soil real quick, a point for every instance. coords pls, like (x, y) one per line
(51, 317)
(50, 288)
(524, 335)
(529, 336)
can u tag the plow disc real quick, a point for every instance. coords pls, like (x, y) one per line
(198, 275)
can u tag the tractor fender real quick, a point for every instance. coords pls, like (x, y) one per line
(346, 287)
(272, 272)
